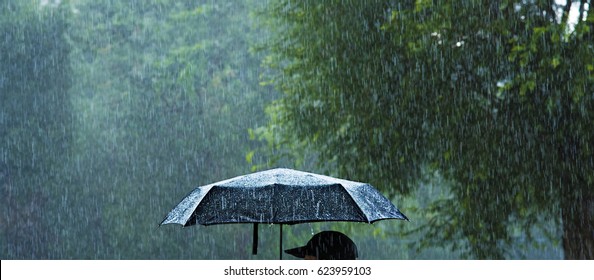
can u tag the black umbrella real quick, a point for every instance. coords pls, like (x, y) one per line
(282, 196)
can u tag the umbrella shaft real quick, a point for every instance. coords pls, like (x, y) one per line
(280, 243)
(255, 240)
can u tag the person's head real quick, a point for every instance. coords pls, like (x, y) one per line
(326, 245)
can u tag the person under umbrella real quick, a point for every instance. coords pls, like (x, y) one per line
(326, 245)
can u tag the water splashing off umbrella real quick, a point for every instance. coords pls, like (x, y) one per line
(282, 196)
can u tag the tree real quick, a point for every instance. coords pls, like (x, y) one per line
(165, 92)
(495, 96)
(35, 125)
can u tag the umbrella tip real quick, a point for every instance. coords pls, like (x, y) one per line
(405, 217)
(402, 216)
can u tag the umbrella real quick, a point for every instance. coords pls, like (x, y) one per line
(282, 196)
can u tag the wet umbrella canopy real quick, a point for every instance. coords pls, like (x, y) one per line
(282, 196)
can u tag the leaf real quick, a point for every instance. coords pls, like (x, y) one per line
(249, 156)
(555, 61)
(447, 155)
(421, 5)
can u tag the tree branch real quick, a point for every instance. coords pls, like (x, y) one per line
(582, 10)
(586, 14)
(550, 10)
(566, 9)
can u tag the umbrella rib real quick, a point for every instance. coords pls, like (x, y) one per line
(352, 196)
(361, 210)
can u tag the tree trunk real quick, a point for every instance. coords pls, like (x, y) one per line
(577, 194)
(578, 226)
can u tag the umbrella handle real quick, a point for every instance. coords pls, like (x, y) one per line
(280, 243)
(255, 240)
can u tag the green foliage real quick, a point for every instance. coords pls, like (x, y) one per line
(150, 99)
(35, 125)
(167, 91)
(495, 95)
(332, 93)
